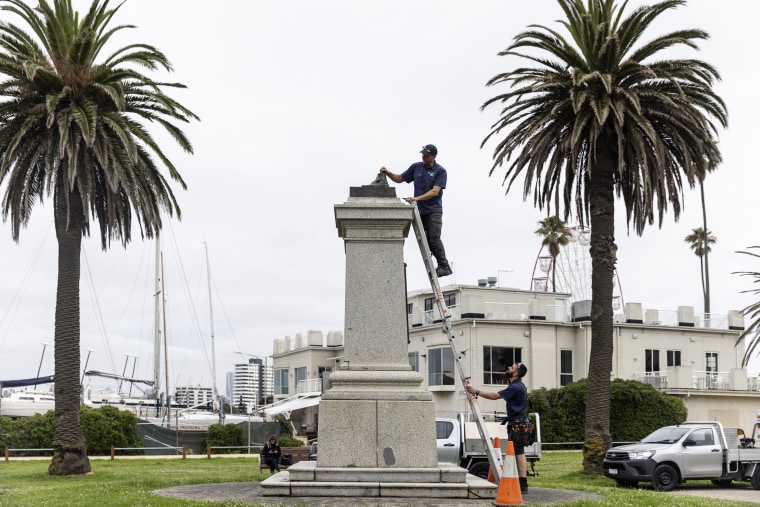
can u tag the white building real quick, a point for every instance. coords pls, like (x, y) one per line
(300, 365)
(675, 351)
(252, 384)
(193, 395)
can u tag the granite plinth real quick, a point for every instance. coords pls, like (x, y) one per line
(368, 433)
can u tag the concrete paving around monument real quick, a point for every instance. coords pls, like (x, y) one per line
(251, 493)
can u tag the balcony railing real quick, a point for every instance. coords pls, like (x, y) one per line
(561, 313)
(711, 380)
(700, 380)
(310, 386)
(658, 379)
(701, 321)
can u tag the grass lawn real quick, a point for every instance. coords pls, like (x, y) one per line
(130, 482)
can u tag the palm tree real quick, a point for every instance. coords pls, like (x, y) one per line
(555, 234)
(70, 128)
(753, 311)
(596, 116)
(699, 241)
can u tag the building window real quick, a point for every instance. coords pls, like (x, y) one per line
(409, 308)
(651, 361)
(301, 383)
(711, 362)
(674, 358)
(495, 363)
(449, 299)
(281, 381)
(565, 367)
(440, 367)
(414, 361)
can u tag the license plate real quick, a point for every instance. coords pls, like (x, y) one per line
(612, 471)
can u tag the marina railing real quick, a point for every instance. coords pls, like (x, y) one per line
(171, 452)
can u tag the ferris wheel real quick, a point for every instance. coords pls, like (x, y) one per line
(571, 272)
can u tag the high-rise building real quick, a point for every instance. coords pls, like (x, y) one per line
(193, 395)
(252, 385)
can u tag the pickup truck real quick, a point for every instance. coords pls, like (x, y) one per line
(458, 442)
(690, 451)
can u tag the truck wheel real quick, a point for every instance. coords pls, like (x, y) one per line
(755, 480)
(722, 483)
(480, 470)
(665, 478)
(626, 483)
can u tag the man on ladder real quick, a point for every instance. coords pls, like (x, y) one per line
(429, 181)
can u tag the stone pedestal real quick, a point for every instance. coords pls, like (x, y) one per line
(375, 413)
(376, 422)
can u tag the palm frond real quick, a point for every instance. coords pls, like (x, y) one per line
(75, 120)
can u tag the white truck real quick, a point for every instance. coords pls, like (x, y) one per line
(459, 442)
(690, 451)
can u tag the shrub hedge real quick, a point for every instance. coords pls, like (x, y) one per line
(103, 427)
(636, 409)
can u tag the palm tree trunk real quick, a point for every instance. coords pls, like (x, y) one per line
(702, 275)
(554, 273)
(705, 247)
(69, 445)
(603, 257)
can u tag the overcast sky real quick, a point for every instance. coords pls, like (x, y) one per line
(301, 100)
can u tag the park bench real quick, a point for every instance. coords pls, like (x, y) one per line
(296, 453)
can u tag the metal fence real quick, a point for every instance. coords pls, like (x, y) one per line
(164, 452)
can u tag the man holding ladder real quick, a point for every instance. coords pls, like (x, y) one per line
(516, 396)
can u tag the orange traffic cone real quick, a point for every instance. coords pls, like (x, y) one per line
(509, 486)
(497, 448)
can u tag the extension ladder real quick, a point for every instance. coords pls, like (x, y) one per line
(494, 456)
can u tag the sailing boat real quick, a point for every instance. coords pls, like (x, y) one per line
(16, 402)
(150, 402)
(197, 418)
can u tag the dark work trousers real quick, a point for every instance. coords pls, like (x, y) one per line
(432, 223)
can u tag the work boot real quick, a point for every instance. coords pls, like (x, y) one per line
(443, 271)
(523, 484)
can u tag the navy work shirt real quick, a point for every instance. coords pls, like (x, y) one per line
(516, 396)
(425, 178)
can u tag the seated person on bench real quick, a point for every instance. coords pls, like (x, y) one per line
(270, 454)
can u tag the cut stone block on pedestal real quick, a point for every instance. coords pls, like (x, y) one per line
(377, 433)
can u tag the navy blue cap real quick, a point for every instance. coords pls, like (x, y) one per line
(429, 149)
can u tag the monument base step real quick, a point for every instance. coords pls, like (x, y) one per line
(310, 471)
(375, 482)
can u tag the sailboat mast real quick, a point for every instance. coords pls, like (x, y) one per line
(166, 355)
(157, 321)
(215, 394)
